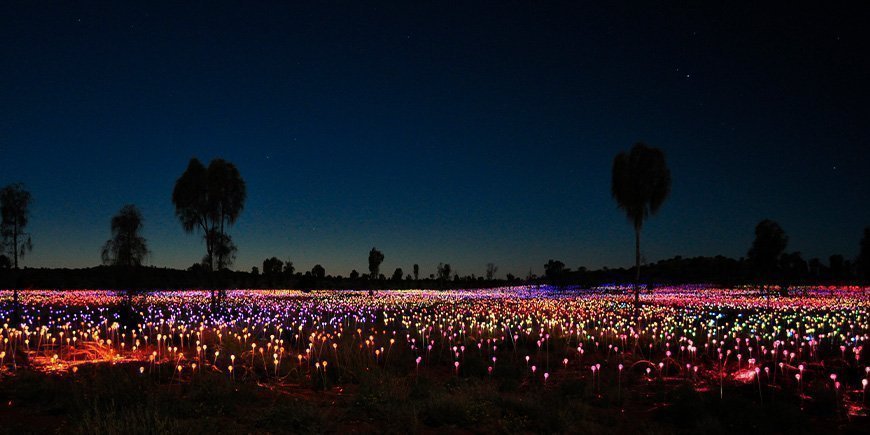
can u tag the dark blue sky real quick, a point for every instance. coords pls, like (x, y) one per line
(457, 132)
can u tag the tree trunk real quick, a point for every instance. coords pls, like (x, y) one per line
(15, 242)
(16, 309)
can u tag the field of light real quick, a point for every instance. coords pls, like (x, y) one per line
(808, 347)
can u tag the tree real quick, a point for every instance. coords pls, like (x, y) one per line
(416, 271)
(15, 211)
(224, 250)
(641, 181)
(318, 271)
(397, 274)
(794, 269)
(491, 269)
(443, 272)
(125, 252)
(764, 255)
(354, 275)
(837, 264)
(272, 266)
(863, 260)
(209, 200)
(5, 262)
(375, 259)
(127, 248)
(554, 271)
(272, 270)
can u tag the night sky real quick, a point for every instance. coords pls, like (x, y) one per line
(437, 131)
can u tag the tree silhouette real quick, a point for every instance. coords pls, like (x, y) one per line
(375, 259)
(125, 252)
(416, 271)
(15, 211)
(491, 269)
(289, 269)
(815, 268)
(794, 268)
(127, 248)
(397, 274)
(272, 269)
(863, 260)
(209, 200)
(554, 271)
(443, 272)
(764, 255)
(224, 250)
(354, 275)
(318, 271)
(272, 266)
(838, 265)
(641, 181)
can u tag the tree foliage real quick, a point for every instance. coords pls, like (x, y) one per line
(443, 272)
(15, 212)
(272, 266)
(491, 269)
(375, 259)
(863, 260)
(641, 181)
(554, 270)
(318, 271)
(127, 247)
(208, 200)
(767, 247)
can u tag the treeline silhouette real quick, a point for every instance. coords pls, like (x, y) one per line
(718, 270)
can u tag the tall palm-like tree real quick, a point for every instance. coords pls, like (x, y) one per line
(641, 182)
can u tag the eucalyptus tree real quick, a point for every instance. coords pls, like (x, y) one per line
(15, 203)
(15, 212)
(126, 251)
(127, 248)
(209, 200)
(767, 247)
(375, 259)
